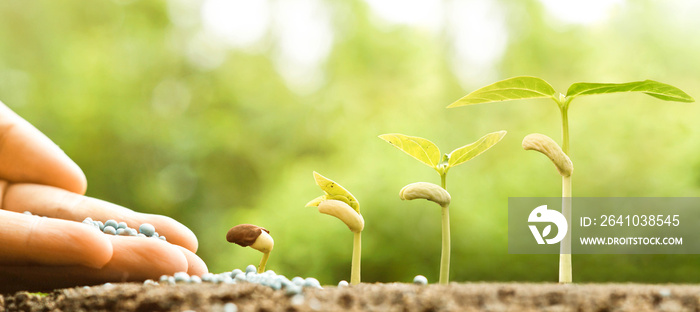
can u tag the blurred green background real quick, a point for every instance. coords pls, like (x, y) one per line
(216, 113)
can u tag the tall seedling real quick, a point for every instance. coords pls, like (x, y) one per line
(525, 87)
(428, 153)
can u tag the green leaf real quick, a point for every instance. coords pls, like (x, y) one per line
(523, 87)
(472, 150)
(419, 148)
(656, 89)
(314, 202)
(335, 191)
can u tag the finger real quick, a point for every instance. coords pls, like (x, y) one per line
(28, 156)
(58, 203)
(26, 239)
(195, 265)
(138, 258)
(135, 259)
(14, 278)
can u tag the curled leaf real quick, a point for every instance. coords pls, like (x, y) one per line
(334, 191)
(314, 202)
(547, 146)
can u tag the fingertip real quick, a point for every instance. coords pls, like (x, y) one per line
(95, 242)
(145, 258)
(77, 182)
(175, 232)
(42, 161)
(195, 264)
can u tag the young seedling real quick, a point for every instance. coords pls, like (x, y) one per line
(525, 87)
(547, 146)
(338, 202)
(254, 236)
(428, 153)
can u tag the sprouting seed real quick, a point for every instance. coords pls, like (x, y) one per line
(254, 236)
(340, 203)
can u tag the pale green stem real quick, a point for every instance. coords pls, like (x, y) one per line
(445, 255)
(356, 255)
(565, 269)
(263, 262)
(565, 128)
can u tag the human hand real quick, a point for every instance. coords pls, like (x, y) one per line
(39, 253)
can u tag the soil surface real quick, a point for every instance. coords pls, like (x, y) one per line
(363, 297)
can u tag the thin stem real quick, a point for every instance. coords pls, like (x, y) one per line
(263, 262)
(565, 127)
(356, 255)
(446, 245)
(445, 255)
(565, 270)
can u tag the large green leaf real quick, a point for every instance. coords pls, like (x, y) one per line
(656, 89)
(523, 87)
(472, 150)
(419, 148)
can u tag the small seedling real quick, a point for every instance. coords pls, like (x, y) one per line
(428, 153)
(547, 146)
(254, 236)
(525, 87)
(338, 202)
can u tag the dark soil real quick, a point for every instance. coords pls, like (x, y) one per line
(364, 297)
